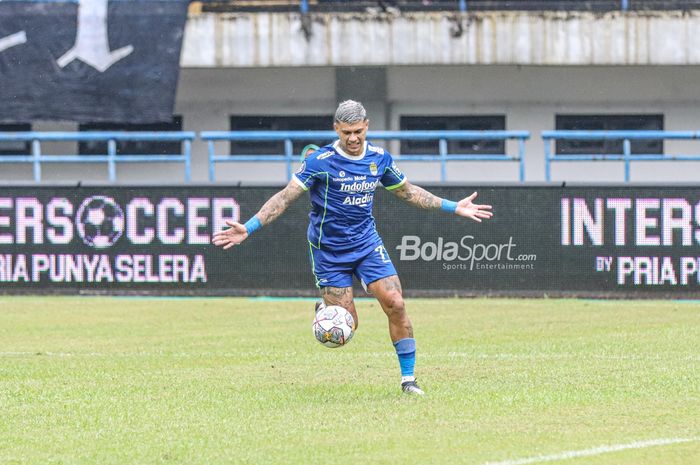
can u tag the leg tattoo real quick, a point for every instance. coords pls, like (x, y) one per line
(341, 296)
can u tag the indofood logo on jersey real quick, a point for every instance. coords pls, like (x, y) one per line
(361, 187)
(100, 224)
(468, 253)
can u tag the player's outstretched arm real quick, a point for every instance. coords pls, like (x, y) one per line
(421, 198)
(273, 208)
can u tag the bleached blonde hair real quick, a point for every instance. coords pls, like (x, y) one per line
(350, 112)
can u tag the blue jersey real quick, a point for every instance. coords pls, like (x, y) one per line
(342, 188)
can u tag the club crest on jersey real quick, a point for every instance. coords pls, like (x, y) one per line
(373, 168)
(341, 173)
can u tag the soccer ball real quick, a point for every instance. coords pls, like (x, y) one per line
(333, 326)
(100, 221)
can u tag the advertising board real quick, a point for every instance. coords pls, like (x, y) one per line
(542, 240)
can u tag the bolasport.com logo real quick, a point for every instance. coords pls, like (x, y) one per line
(466, 254)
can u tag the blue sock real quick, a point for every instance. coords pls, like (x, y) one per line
(406, 351)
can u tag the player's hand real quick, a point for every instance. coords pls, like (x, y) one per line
(234, 235)
(467, 208)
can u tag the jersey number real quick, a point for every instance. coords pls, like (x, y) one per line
(382, 253)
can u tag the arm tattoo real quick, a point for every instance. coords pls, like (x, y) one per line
(279, 202)
(417, 196)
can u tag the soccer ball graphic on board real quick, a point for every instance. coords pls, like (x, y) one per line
(100, 221)
(333, 326)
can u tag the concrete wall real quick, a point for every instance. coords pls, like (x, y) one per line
(529, 96)
(446, 38)
(532, 96)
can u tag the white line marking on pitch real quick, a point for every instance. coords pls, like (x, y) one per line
(536, 356)
(594, 451)
(387, 354)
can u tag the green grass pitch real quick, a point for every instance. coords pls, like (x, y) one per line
(107, 380)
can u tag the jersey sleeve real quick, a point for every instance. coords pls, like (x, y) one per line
(392, 178)
(305, 176)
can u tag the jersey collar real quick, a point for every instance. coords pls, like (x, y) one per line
(342, 153)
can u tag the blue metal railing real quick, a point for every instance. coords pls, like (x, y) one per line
(626, 156)
(289, 157)
(37, 156)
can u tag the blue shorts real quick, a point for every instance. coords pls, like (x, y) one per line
(335, 269)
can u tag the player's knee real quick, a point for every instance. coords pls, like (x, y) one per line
(394, 304)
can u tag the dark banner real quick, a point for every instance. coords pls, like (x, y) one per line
(90, 60)
(599, 241)
(607, 241)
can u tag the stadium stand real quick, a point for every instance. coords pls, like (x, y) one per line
(237, 86)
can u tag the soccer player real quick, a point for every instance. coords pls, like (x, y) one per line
(343, 241)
